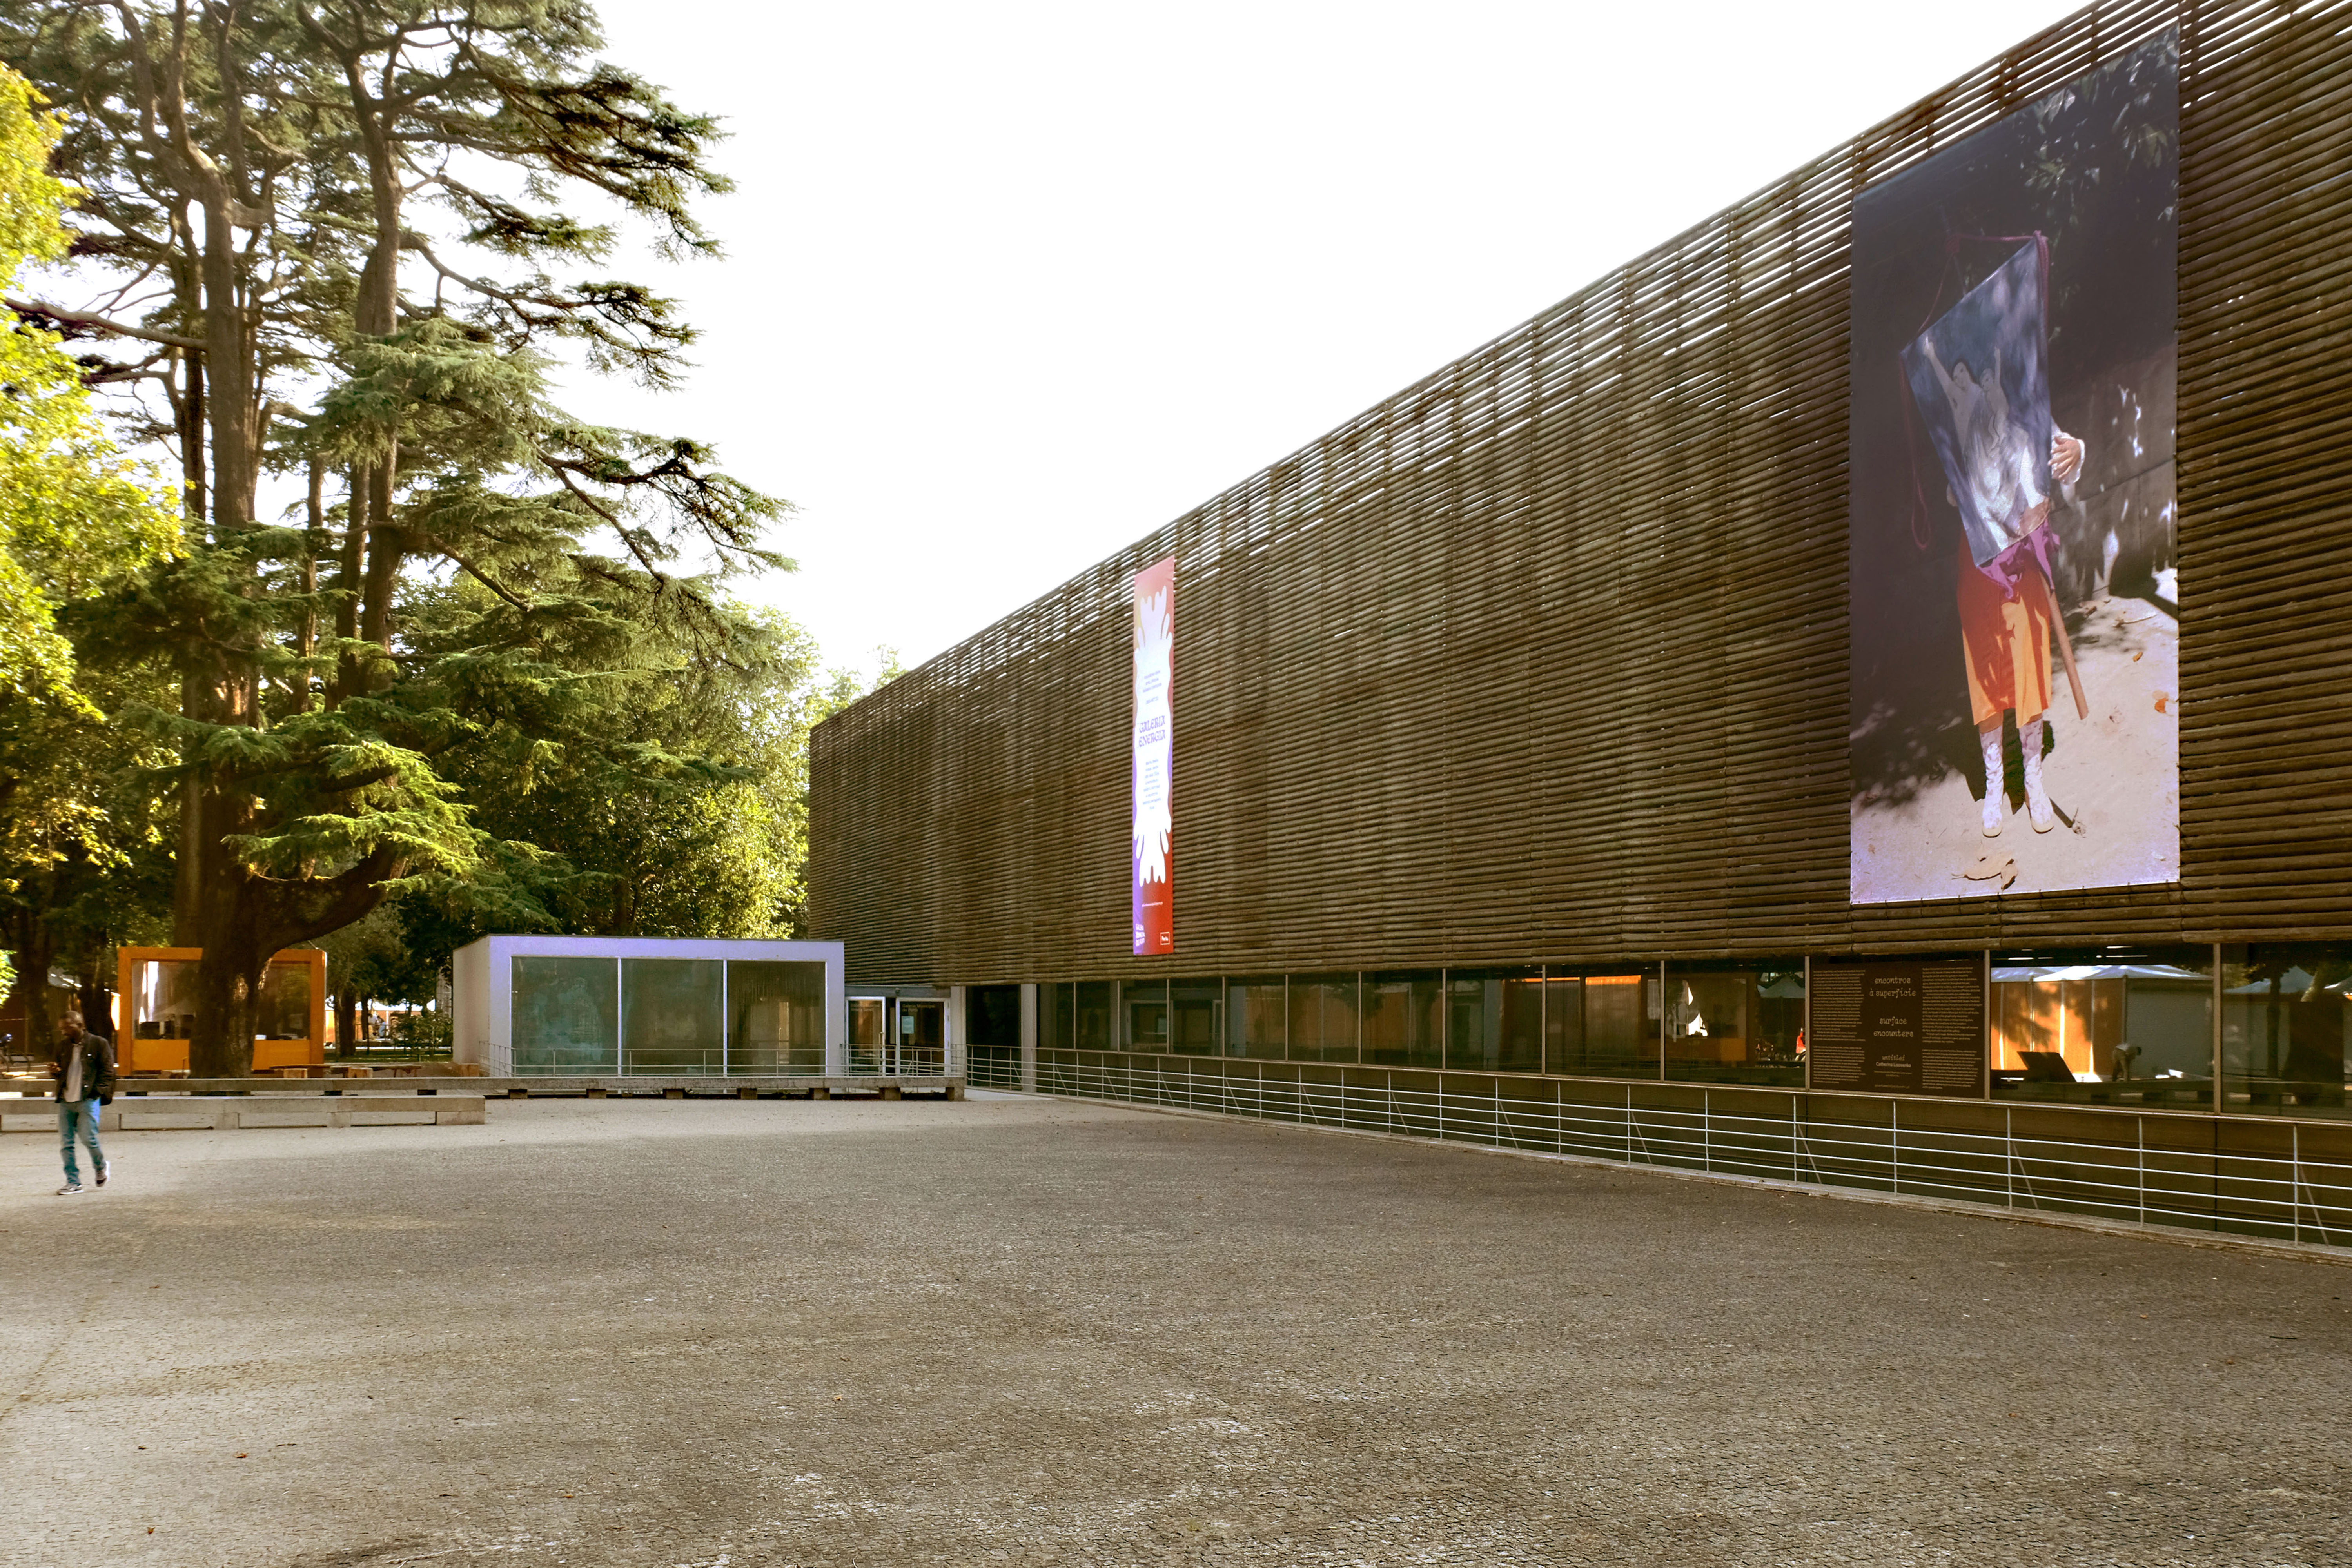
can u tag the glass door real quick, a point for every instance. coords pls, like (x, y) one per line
(869, 1033)
(920, 1043)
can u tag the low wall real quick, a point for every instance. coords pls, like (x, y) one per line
(768, 1086)
(2280, 1181)
(224, 1113)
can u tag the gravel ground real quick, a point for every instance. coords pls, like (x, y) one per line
(1016, 1331)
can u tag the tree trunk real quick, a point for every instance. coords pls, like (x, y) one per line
(34, 950)
(228, 993)
(215, 906)
(347, 1018)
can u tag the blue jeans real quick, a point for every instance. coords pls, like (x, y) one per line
(84, 1114)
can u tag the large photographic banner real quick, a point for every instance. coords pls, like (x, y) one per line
(1152, 856)
(2015, 623)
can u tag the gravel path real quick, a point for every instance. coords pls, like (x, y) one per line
(1022, 1331)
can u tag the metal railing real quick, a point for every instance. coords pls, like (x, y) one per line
(2282, 1196)
(896, 1061)
(993, 1066)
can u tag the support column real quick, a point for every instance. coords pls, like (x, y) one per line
(956, 1038)
(1029, 1038)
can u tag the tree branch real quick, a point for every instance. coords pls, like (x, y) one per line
(95, 322)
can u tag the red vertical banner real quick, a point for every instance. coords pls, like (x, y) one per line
(1152, 854)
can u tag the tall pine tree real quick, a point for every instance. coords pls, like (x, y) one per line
(325, 233)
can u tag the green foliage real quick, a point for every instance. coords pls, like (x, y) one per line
(339, 228)
(77, 516)
(369, 957)
(423, 1033)
(78, 519)
(678, 808)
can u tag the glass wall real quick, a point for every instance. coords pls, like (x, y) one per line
(566, 1016)
(1256, 1020)
(1146, 1006)
(992, 1015)
(2116, 1025)
(2285, 1020)
(285, 1003)
(1494, 1020)
(1091, 1029)
(1602, 1024)
(778, 1016)
(1323, 1018)
(1737, 1023)
(672, 1016)
(2103, 1026)
(991, 1022)
(162, 1000)
(1402, 1023)
(1196, 1016)
(1056, 1017)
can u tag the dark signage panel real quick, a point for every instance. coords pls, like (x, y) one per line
(1898, 1025)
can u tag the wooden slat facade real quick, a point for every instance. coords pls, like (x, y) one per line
(1545, 658)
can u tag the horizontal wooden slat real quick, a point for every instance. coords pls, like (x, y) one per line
(1484, 675)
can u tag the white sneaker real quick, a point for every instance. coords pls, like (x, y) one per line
(71, 1189)
(105, 1168)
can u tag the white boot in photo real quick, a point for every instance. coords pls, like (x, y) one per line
(1996, 794)
(2037, 799)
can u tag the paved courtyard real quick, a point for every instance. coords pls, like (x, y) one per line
(1010, 1330)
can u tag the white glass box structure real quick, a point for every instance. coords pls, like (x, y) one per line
(577, 1006)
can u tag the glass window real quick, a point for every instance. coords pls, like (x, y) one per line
(1737, 1023)
(1146, 1005)
(1494, 1020)
(2103, 1026)
(992, 1015)
(565, 1017)
(870, 1026)
(163, 999)
(1323, 1017)
(1255, 1018)
(1401, 1027)
(1056, 1018)
(922, 1023)
(285, 1003)
(1603, 1023)
(671, 1015)
(2284, 1017)
(778, 1023)
(1196, 1016)
(1092, 1030)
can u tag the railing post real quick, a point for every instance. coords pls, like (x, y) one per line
(2294, 1181)
(1895, 1141)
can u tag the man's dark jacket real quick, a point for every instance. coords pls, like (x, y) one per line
(97, 1066)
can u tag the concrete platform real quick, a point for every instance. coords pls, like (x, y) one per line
(694, 1086)
(220, 1113)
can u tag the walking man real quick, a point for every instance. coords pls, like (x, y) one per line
(85, 1069)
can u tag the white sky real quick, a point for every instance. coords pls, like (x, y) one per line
(1009, 286)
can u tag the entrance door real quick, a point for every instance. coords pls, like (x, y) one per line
(922, 1037)
(869, 1033)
